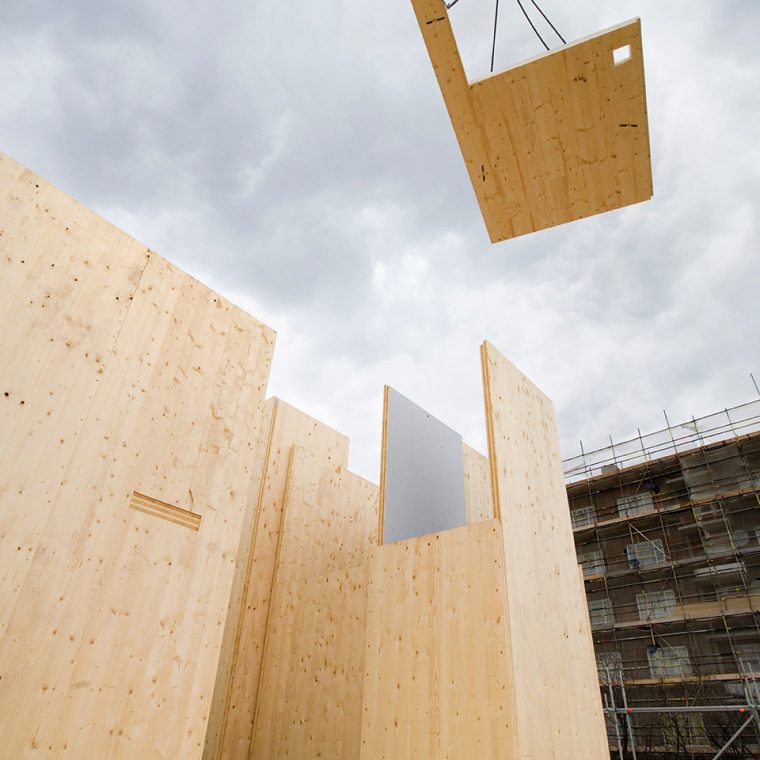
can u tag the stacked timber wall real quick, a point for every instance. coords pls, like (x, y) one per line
(187, 571)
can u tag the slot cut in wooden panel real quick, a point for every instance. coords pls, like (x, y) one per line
(151, 506)
(557, 138)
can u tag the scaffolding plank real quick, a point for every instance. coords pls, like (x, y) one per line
(557, 138)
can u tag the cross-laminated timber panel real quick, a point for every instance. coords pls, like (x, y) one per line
(437, 674)
(560, 137)
(234, 704)
(131, 413)
(556, 690)
(310, 696)
(477, 487)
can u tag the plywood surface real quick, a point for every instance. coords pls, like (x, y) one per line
(310, 695)
(477, 485)
(437, 673)
(145, 381)
(231, 726)
(549, 631)
(560, 137)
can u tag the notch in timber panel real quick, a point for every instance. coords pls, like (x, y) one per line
(560, 137)
(150, 506)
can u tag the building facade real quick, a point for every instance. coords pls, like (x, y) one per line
(667, 530)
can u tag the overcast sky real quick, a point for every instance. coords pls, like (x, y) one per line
(298, 158)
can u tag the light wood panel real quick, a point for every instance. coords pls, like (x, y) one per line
(477, 487)
(64, 298)
(437, 673)
(235, 695)
(556, 690)
(560, 137)
(145, 381)
(310, 696)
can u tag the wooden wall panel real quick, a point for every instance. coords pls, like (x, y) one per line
(113, 632)
(64, 298)
(551, 650)
(437, 673)
(560, 137)
(231, 727)
(310, 697)
(477, 486)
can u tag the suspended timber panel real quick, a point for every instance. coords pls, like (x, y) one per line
(147, 382)
(234, 704)
(437, 679)
(553, 665)
(560, 137)
(310, 697)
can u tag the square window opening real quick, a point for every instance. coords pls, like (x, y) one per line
(621, 55)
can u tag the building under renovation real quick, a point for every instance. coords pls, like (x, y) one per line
(667, 529)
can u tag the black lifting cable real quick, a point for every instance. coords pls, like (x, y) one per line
(495, 24)
(525, 13)
(546, 18)
(451, 3)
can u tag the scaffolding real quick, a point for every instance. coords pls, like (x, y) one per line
(667, 530)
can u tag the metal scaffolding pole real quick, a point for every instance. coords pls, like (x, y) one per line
(733, 738)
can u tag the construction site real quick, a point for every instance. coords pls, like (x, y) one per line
(667, 530)
(189, 570)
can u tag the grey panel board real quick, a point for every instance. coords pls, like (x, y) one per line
(424, 473)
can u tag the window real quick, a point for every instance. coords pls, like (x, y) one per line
(645, 553)
(592, 563)
(708, 513)
(635, 504)
(656, 605)
(600, 612)
(609, 666)
(721, 543)
(682, 731)
(669, 662)
(582, 517)
(748, 656)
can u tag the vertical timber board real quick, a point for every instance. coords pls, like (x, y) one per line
(477, 488)
(232, 739)
(63, 299)
(111, 646)
(437, 673)
(309, 702)
(552, 656)
(230, 642)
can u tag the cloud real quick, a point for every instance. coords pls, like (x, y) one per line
(301, 162)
